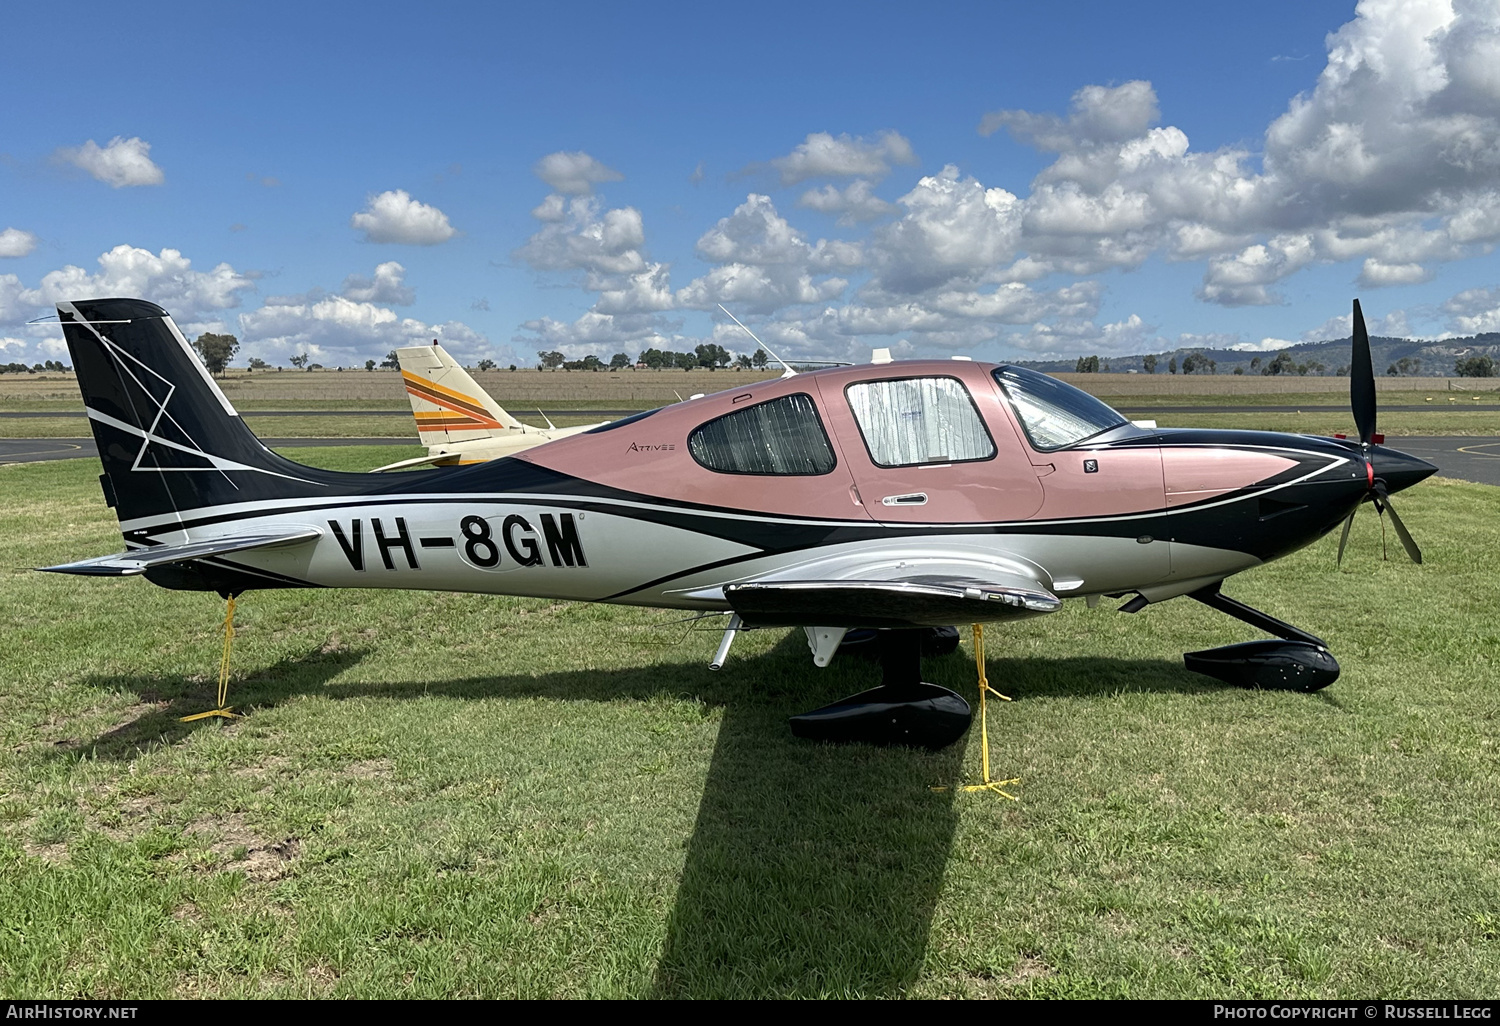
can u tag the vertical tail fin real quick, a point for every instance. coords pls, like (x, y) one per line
(168, 438)
(449, 406)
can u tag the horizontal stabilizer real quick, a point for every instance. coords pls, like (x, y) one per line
(914, 602)
(138, 561)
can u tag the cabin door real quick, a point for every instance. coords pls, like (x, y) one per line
(921, 452)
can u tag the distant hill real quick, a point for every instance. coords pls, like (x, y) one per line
(1331, 357)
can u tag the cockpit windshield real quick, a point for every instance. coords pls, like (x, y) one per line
(1054, 414)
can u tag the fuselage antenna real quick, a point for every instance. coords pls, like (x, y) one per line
(787, 371)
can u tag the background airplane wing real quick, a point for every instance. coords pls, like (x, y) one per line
(919, 601)
(419, 461)
(138, 561)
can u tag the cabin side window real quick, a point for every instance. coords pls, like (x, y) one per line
(912, 421)
(781, 436)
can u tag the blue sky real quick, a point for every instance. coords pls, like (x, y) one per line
(993, 179)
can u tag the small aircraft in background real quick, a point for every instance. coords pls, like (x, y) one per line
(456, 419)
(899, 496)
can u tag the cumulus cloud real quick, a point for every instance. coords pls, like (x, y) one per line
(574, 174)
(822, 155)
(756, 233)
(196, 299)
(387, 286)
(1244, 278)
(764, 263)
(935, 281)
(1265, 345)
(648, 291)
(1390, 159)
(33, 350)
(853, 204)
(597, 333)
(118, 163)
(1069, 336)
(953, 228)
(395, 217)
(166, 278)
(603, 249)
(339, 331)
(1474, 311)
(578, 235)
(16, 243)
(343, 330)
(12, 311)
(1377, 273)
(1099, 115)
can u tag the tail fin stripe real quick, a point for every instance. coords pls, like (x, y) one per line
(425, 383)
(219, 462)
(468, 411)
(425, 390)
(149, 434)
(443, 417)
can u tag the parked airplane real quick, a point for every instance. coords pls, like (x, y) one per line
(898, 496)
(456, 419)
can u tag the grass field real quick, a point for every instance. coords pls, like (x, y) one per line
(527, 389)
(1472, 409)
(443, 795)
(399, 425)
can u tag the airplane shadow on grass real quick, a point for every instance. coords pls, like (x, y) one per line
(812, 869)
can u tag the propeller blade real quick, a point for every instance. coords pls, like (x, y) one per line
(1406, 539)
(1344, 538)
(1362, 380)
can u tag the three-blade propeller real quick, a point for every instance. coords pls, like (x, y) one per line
(1362, 401)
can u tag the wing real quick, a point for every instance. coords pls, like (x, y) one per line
(420, 461)
(138, 561)
(920, 601)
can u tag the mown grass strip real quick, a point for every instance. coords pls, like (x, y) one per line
(452, 795)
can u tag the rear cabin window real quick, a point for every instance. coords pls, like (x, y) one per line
(913, 421)
(782, 436)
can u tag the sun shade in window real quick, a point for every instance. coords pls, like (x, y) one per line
(919, 420)
(782, 436)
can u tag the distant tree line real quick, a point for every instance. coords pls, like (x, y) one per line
(216, 350)
(1193, 363)
(708, 355)
(36, 368)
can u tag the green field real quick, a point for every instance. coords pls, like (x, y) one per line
(1451, 407)
(1482, 422)
(444, 795)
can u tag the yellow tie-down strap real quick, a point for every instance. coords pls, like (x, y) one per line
(223, 710)
(988, 784)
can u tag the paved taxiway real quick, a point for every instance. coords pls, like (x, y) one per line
(1466, 458)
